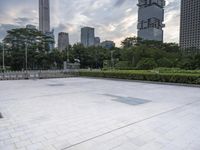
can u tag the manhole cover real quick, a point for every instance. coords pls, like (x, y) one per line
(128, 100)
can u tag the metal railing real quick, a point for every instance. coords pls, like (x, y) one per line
(39, 74)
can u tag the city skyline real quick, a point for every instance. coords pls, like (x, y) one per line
(113, 20)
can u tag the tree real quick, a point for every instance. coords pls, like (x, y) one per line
(18, 40)
(90, 57)
(146, 64)
(187, 62)
(164, 62)
(130, 41)
(197, 61)
(135, 53)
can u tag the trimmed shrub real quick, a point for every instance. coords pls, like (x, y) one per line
(146, 76)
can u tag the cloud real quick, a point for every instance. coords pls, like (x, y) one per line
(172, 21)
(6, 27)
(112, 19)
(119, 2)
(23, 21)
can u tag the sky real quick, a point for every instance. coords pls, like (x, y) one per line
(112, 19)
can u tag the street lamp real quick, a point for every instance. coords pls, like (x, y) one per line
(3, 59)
(26, 55)
(112, 59)
(67, 55)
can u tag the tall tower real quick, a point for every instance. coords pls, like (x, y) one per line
(87, 36)
(44, 16)
(150, 19)
(190, 24)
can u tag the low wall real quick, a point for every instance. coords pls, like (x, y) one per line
(20, 75)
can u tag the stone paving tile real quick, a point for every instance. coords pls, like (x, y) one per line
(80, 115)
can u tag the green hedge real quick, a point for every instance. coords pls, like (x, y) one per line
(146, 76)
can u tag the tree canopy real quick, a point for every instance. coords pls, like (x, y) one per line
(134, 54)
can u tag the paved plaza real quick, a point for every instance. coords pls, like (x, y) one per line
(97, 114)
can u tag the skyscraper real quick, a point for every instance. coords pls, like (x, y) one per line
(63, 41)
(190, 24)
(97, 41)
(44, 16)
(44, 22)
(108, 44)
(150, 19)
(87, 36)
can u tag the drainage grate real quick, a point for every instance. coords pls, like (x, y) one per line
(128, 100)
(1, 116)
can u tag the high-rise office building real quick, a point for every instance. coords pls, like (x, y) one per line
(190, 24)
(108, 44)
(44, 22)
(29, 26)
(150, 19)
(44, 16)
(97, 41)
(87, 36)
(63, 41)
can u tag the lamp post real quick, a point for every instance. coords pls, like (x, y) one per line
(96, 58)
(112, 59)
(3, 58)
(26, 56)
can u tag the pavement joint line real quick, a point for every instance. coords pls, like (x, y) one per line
(47, 95)
(130, 124)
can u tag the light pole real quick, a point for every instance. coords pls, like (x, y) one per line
(26, 55)
(67, 55)
(3, 59)
(112, 59)
(96, 57)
